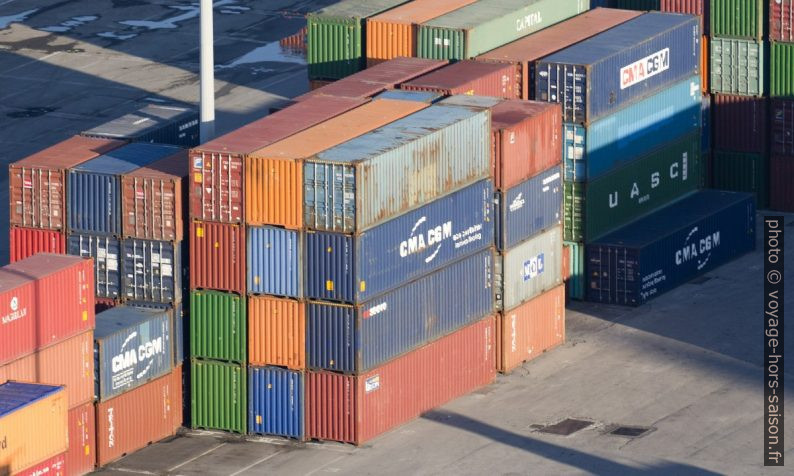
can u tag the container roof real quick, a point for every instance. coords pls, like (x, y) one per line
(478, 13)
(420, 11)
(15, 395)
(140, 122)
(128, 158)
(123, 317)
(358, 8)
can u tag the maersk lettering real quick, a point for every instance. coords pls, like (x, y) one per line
(696, 248)
(419, 242)
(644, 68)
(675, 171)
(131, 357)
(528, 21)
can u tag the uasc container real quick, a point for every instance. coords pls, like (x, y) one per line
(153, 123)
(468, 77)
(152, 270)
(276, 332)
(529, 268)
(781, 20)
(81, 457)
(276, 402)
(105, 252)
(218, 396)
(529, 208)
(737, 66)
(217, 256)
(217, 326)
(24, 242)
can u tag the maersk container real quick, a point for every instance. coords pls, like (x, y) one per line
(529, 269)
(218, 326)
(354, 268)
(389, 171)
(737, 66)
(151, 270)
(106, 252)
(488, 24)
(274, 261)
(781, 69)
(737, 18)
(94, 187)
(617, 139)
(669, 247)
(352, 339)
(529, 208)
(133, 345)
(153, 123)
(275, 402)
(218, 396)
(576, 278)
(620, 66)
(741, 172)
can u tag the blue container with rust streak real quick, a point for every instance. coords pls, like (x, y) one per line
(274, 264)
(275, 402)
(529, 208)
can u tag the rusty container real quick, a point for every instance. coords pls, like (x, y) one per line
(217, 256)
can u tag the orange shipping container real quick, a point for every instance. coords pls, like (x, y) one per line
(530, 329)
(274, 174)
(704, 64)
(81, 457)
(276, 332)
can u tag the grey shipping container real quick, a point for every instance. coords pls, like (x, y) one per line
(106, 252)
(529, 269)
(153, 123)
(151, 270)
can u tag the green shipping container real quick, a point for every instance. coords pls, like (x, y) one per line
(218, 326)
(336, 37)
(576, 282)
(641, 5)
(218, 396)
(740, 172)
(737, 67)
(781, 70)
(737, 18)
(488, 24)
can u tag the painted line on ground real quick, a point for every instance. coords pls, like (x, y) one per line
(197, 457)
(322, 466)
(256, 463)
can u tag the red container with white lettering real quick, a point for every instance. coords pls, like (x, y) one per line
(81, 455)
(55, 466)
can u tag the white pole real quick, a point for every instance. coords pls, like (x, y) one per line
(207, 73)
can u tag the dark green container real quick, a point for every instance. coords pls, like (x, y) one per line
(573, 211)
(740, 172)
(781, 70)
(737, 18)
(218, 326)
(218, 396)
(576, 281)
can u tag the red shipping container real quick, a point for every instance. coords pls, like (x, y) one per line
(469, 77)
(781, 183)
(37, 187)
(81, 456)
(782, 117)
(217, 256)
(355, 409)
(24, 242)
(216, 191)
(137, 418)
(692, 7)
(69, 363)
(739, 123)
(44, 299)
(781, 20)
(55, 466)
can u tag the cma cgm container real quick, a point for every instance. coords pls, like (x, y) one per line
(737, 66)
(217, 326)
(81, 457)
(354, 268)
(276, 402)
(488, 24)
(781, 193)
(95, 187)
(781, 20)
(36, 290)
(105, 251)
(217, 256)
(781, 70)
(740, 123)
(737, 18)
(24, 242)
(155, 124)
(468, 77)
(529, 208)
(394, 169)
(152, 270)
(740, 172)
(356, 409)
(33, 424)
(602, 74)
(523, 53)
(133, 346)
(529, 269)
(139, 417)
(216, 178)
(782, 136)
(51, 466)
(276, 332)
(274, 261)
(615, 140)
(218, 396)
(669, 247)
(353, 339)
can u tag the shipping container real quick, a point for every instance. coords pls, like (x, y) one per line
(394, 169)
(103, 304)
(216, 193)
(354, 339)
(613, 141)
(705, 57)
(25, 410)
(469, 77)
(669, 247)
(151, 270)
(642, 5)
(217, 256)
(737, 66)
(218, 393)
(781, 20)
(55, 466)
(620, 66)
(691, 7)
(81, 457)
(740, 123)
(276, 332)
(742, 172)
(477, 102)
(133, 346)
(217, 326)
(529, 208)
(488, 24)
(139, 417)
(274, 261)
(274, 174)
(782, 128)
(531, 329)
(25, 242)
(575, 286)
(781, 193)
(781, 70)
(523, 53)
(737, 18)
(356, 409)
(176, 313)
(705, 128)
(153, 123)
(105, 253)
(529, 269)
(36, 290)
(400, 95)
(37, 183)
(276, 402)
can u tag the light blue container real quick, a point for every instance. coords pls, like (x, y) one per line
(273, 261)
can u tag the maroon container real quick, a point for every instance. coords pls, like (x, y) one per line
(782, 118)
(781, 20)
(471, 78)
(81, 455)
(24, 242)
(103, 304)
(781, 181)
(692, 7)
(739, 123)
(217, 256)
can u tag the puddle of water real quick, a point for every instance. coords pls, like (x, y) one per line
(19, 17)
(271, 52)
(170, 23)
(115, 36)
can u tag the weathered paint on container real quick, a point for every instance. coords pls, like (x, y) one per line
(529, 208)
(356, 409)
(737, 66)
(274, 261)
(575, 286)
(396, 168)
(276, 402)
(737, 18)
(740, 123)
(276, 332)
(217, 256)
(781, 20)
(531, 329)
(105, 253)
(469, 77)
(55, 466)
(529, 269)
(217, 326)
(691, 7)
(155, 124)
(37, 183)
(353, 269)
(81, 456)
(782, 128)
(354, 339)
(137, 418)
(620, 66)
(218, 393)
(742, 172)
(781, 69)
(781, 193)
(33, 424)
(488, 24)
(615, 140)
(133, 346)
(151, 270)
(25, 242)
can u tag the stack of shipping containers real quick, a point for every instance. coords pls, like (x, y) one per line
(781, 109)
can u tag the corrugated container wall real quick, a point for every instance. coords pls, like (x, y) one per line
(81, 457)
(25, 242)
(217, 256)
(705, 58)
(737, 18)
(576, 281)
(469, 77)
(55, 466)
(274, 261)
(529, 268)
(217, 326)
(741, 172)
(152, 270)
(105, 252)
(782, 128)
(781, 70)
(276, 402)
(781, 193)
(218, 393)
(153, 123)
(276, 332)
(529, 208)
(692, 7)
(740, 123)
(737, 66)
(781, 20)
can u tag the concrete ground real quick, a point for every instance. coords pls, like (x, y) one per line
(688, 365)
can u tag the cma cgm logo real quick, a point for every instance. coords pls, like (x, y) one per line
(533, 267)
(645, 68)
(697, 248)
(15, 312)
(418, 241)
(677, 170)
(133, 355)
(528, 21)
(517, 202)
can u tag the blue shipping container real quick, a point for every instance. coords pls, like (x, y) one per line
(669, 247)
(529, 208)
(132, 345)
(178, 325)
(275, 402)
(706, 122)
(428, 97)
(154, 124)
(273, 261)
(94, 188)
(615, 140)
(353, 339)
(151, 270)
(106, 252)
(352, 269)
(606, 72)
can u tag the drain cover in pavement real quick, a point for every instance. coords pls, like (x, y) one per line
(700, 280)
(566, 427)
(630, 431)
